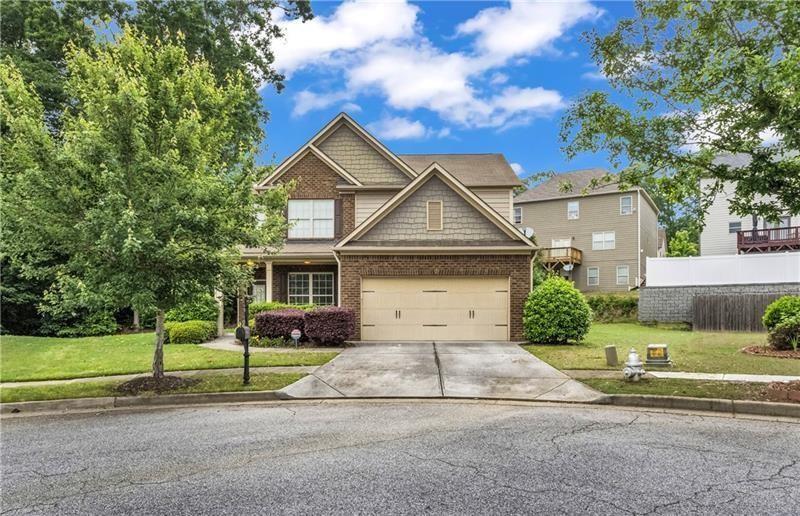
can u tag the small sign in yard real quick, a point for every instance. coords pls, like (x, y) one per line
(658, 355)
(296, 334)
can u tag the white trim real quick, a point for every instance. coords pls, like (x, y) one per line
(268, 268)
(577, 212)
(312, 219)
(587, 277)
(338, 282)
(514, 214)
(604, 233)
(621, 197)
(428, 215)
(311, 286)
(627, 274)
(480, 250)
(437, 170)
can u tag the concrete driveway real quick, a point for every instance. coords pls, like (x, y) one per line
(501, 370)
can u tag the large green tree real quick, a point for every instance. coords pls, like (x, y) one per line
(149, 189)
(695, 81)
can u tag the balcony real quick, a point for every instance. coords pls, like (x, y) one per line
(555, 257)
(771, 240)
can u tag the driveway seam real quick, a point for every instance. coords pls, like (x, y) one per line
(329, 385)
(438, 368)
(551, 390)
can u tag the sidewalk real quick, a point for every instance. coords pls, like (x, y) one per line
(579, 374)
(190, 373)
(228, 343)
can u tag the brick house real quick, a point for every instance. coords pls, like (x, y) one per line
(421, 247)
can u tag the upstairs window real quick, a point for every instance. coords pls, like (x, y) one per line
(310, 218)
(518, 215)
(604, 240)
(734, 227)
(625, 205)
(573, 210)
(435, 216)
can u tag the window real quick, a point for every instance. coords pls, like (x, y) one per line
(593, 276)
(604, 240)
(733, 227)
(623, 272)
(783, 222)
(311, 288)
(311, 218)
(625, 205)
(435, 215)
(573, 210)
(518, 215)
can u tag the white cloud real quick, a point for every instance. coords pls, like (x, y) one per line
(397, 128)
(351, 107)
(354, 25)
(381, 51)
(594, 75)
(517, 168)
(524, 28)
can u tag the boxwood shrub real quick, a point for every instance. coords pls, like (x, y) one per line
(781, 309)
(279, 323)
(782, 320)
(556, 313)
(614, 307)
(190, 332)
(330, 325)
(268, 306)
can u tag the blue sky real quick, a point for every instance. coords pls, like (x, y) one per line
(430, 77)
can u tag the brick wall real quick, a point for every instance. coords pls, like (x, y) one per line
(316, 180)
(517, 267)
(362, 161)
(674, 304)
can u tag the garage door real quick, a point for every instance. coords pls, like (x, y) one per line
(434, 308)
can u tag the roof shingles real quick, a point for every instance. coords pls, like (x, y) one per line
(473, 170)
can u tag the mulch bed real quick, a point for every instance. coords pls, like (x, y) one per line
(152, 384)
(784, 391)
(766, 351)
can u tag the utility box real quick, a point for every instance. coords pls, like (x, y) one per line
(611, 355)
(658, 355)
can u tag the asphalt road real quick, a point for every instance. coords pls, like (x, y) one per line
(409, 457)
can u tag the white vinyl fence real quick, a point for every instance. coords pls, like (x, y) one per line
(734, 269)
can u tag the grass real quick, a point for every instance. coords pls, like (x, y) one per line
(101, 388)
(694, 351)
(690, 388)
(48, 358)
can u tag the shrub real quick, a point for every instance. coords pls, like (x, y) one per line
(556, 312)
(191, 332)
(279, 323)
(268, 306)
(614, 307)
(780, 309)
(92, 325)
(330, 325)
(202, 308)
(786, 334)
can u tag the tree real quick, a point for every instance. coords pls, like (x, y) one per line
(151, 192)
(682, 244)
(700, 80)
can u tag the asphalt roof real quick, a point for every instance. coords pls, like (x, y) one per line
(568, 184)
(471, 169)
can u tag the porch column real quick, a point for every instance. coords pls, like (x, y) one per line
(268, 277)
(220, 313)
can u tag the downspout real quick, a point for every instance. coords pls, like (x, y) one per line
(638, 238)
(338, 279)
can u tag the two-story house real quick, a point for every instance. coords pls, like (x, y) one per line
(597, 238)
(421, 247)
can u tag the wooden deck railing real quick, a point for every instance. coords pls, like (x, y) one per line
(561, 255)
(768, 240)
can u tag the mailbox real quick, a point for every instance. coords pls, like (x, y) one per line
(242, 333)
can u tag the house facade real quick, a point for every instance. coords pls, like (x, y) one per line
(420, 247)
(727, 233)
(599, 238)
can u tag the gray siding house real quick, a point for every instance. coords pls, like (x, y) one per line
(597, 237)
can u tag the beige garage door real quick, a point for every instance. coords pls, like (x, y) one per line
(434, 308)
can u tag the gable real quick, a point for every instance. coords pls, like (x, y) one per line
(358, 158)
(462, 224)
(315, 179)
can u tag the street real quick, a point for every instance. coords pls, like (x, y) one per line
(398, 457)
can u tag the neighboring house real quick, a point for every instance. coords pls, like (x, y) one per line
(727, 233)
(598, 238)
(421, 247)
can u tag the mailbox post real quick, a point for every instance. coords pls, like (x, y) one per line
(243, 335)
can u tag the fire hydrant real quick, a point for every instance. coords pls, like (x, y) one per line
(634, 369)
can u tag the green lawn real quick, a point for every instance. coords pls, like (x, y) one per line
(101, 388)
(46, 358)
(690, 388)
(695, 351)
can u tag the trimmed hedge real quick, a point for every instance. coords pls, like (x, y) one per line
(190, 332)
(614, 307)
(780, 309)
(202, 308)
(782, 320)
(556, 313)
(330, 325)
(280, 323)
(268, 306)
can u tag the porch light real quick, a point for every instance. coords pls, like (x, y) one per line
(307, 262)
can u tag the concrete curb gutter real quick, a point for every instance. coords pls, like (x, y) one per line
(732, 407)
(759, 408)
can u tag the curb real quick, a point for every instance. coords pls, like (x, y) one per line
(30, 407)
(733, 407)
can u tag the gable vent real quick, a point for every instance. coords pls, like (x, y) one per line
(434, 215)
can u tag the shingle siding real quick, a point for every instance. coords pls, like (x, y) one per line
(358, 158)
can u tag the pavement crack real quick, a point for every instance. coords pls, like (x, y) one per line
(438, 368)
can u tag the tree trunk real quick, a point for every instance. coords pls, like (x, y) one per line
(136, 320)
(158, 356)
